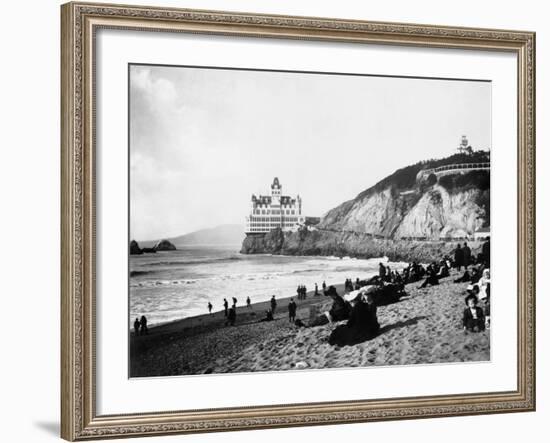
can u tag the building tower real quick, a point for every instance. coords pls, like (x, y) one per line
(276, 190)
(463, 147)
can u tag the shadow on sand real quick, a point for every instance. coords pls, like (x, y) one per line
(402, 324)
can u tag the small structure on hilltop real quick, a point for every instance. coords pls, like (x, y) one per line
(464, 147)
(463, 166)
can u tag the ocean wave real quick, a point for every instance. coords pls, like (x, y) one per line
(136, 273)
(154, 283)
(199, 261)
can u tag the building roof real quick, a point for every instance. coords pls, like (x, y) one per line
(266, 199)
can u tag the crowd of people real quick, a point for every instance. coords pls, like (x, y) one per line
(140, 326)
(358, 305)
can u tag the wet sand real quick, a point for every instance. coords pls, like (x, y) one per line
(423, 327)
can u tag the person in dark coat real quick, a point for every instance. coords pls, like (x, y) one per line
(268, 316)
(486, 251)
(292, 311)
(459, 257)
(339, 310)
(273, 305)
(467, 254)
(143, 324)
(473, 319)
(431, 278)
(248, 303)
(324, 286)
(232, 315)
(362, 324)
(381, 271)
(466, 277)
(210, 308)
(136, 327)
(225, 306)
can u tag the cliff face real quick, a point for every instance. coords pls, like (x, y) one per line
(353, 244)
(431, 213)
(400, 217)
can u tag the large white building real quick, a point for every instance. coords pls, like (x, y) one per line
(268, 212)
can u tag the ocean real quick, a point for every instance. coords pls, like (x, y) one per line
(171, 285)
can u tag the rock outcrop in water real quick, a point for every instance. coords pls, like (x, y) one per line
(164, 245)
(400, 217)
(134, 248)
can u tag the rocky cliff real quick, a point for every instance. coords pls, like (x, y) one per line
(400, 217)
(431, 213)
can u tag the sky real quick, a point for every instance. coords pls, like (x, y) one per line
(202, 141)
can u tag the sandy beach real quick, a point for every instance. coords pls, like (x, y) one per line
(423, 327)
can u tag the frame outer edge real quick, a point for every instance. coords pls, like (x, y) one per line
(78, 420)
(67, 428)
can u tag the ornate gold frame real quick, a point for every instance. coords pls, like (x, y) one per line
(79, 21)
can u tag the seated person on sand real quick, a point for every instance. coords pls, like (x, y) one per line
(483, 282)
(473, 319)
(232, 315)
(477, 272)
(339, 310)
(487, 307)
(363, 322)
(432, 278)
(268, 316)
(466, 277)
(443, 270)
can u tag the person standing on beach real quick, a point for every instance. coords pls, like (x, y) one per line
(459, 257)
(232, 315)
(136, 327)
(143, 323)
(292, 311)
(235, 303)
(324, 287)
(225, 306)
(316, 289)
(486, 252)
(273, 305)
(467, 255)
(248, 303)
(209, 308)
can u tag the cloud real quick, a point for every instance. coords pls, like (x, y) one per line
(203, 140)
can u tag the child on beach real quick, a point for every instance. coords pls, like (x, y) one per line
(473, 319)
(248, 303)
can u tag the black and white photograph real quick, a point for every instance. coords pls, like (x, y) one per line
(287, 220)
